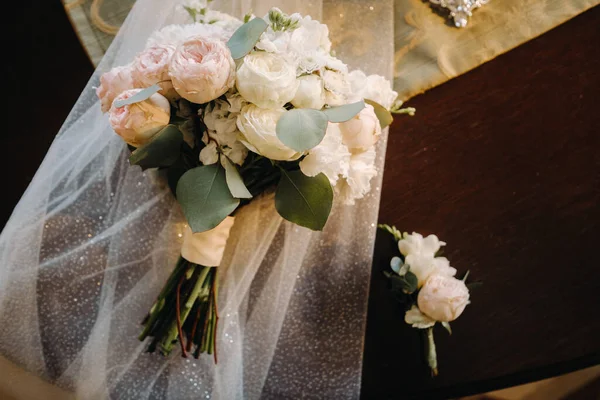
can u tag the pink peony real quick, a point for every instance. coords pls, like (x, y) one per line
(138, 123)
(151, 66)
(112, 84)
(202, 69)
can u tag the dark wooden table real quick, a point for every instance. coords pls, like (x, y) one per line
(502, 163)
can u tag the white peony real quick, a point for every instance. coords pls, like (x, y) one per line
(222, 134)
(310, 93)
(424, 266)
(202, 69)
(362, 131)
(415, 243)
(443, 298)
(329, 157)
(372, 87)
(257, 126)
(358, 180)
(267, 79)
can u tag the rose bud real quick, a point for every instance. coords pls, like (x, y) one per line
(443, 298)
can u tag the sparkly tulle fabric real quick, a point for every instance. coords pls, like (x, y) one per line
(93, 240)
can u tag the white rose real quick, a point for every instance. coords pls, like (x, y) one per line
(443, 298)
(267, 80)
(310, 94)
(417, 244)
(329, 157)
(257, 126)
(358, 180)
(222, 134)
(424, 266)
(372, 87)
(202, 69)
(151, 66)
(137, 123)
(362, 131)
(112, 84)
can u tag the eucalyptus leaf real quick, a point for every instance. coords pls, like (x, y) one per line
(205, 197)
(142, 95)
(344, 113)
(245, 38)
(234, 180)
(302, 129)
(396, 263)
(385, 117)
(303, 200)
(162, 151)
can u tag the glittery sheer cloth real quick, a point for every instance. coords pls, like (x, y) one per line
(93, 240)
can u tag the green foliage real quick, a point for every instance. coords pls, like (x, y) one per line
(234, 180)
(281, 22)
(205, 197)
(384, 116)
(345, 112)
(142, 95)
(302, 129)
(243, 40)
(303, 200)
(162, 151)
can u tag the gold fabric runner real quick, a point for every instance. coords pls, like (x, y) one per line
(431, 51)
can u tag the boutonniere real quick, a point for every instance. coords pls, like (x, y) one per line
(426, 285)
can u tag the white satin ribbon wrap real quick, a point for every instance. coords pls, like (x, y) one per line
(93, 240)
(206, 248)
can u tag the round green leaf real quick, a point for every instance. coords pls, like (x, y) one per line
(205, 197)
(345, 112)
(303, 200)
(243, 40)
(302, 129)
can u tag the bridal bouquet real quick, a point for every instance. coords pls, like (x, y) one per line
(229, 110)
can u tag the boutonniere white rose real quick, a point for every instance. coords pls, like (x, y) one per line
(425, 284)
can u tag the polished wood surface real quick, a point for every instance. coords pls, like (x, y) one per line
(503, 163)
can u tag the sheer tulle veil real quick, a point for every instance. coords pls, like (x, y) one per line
(92, 241)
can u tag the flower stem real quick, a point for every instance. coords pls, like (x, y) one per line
(431, 353)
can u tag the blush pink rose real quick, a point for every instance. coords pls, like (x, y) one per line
(137, 123)
(443, 298)
(151, 66)
(202, 69)
(362, 131)
(112, 84)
